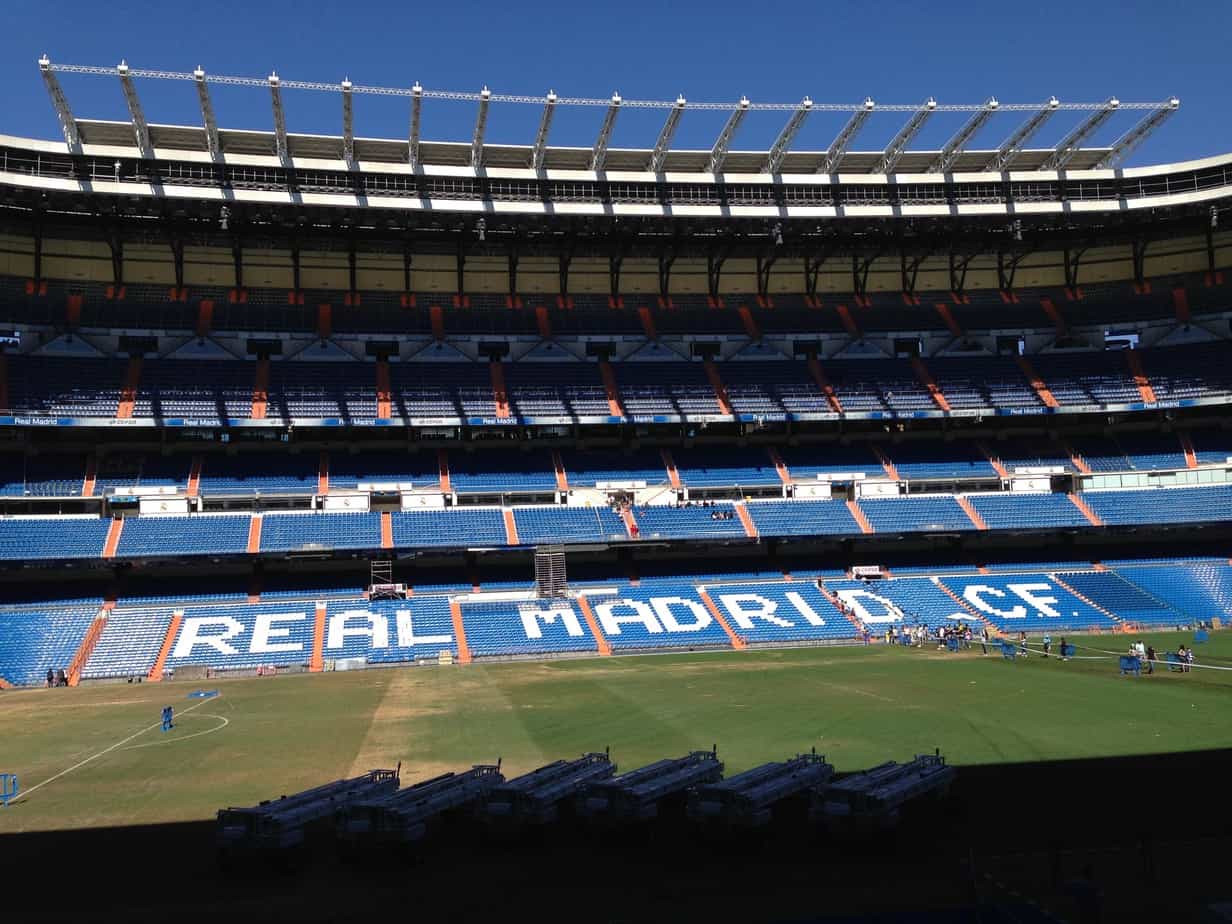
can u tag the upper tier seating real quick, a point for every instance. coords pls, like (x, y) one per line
(416, 469)
(267, 473)
(915, 513)
(341, 390)
(197, 534)
(650, 389)
(556, 389)
(919, 459)
(586, 469)
(770, 389)
(28, 539)
(1162, 505)
(1196, 371)
(1035, 453)
(802, 518)
(806, 463)
(1087, 377)
(115, 474)
(197, 389)
(42, 475)
(877, 384)
(441, 389)
(545, 525)
(982, 381)
(1026, 511)
(66, 387)
(284, 532)
(663, 522)
(482, 473)
(709, 466)
(449, 528)
(1212, 447)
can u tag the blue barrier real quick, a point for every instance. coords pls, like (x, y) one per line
(1131, 665)
(952, 644)
(1201, 636)
(8, 788)
(1175, 661)
(1009, 650)
(1067, 651)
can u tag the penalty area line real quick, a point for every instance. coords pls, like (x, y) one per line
(119, 744)
(209, 731)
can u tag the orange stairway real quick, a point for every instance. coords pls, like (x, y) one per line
(669, 464)
(947, 318)
(1077, 461)
(720, 391)
(1037, 384)
(648, 324)
(890, 470)
(746, 520)
(254, 534)
(323, 473)
(860, 518)
(194, 476)
(1085, 510)
(317, 661)
(926, 379)
(601, 642)
(1133, 359)
(500, 395)
(779, 465)
(91, 476)
(1187, 446)
(113, 537)
(631, 527)
(840, 607)
(511, 527)
(994, 461)
(384, 391)
(823, 383)
(260, 390)
(164, 652)
(387, 529)
(84, 650)
(849, 323)
(749, 322)
(442, 465)
(5, 685)
(972, 514)
(1054, 314)
(736, 641)
(128, 391)
(459, 632)
(558, 467)
(614, 405)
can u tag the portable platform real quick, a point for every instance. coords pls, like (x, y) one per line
(537, 797)
(639, 794)
(281, 824)
(747, 800)
(874, 798)
(404, 816)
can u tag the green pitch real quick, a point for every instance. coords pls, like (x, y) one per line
(859, 706)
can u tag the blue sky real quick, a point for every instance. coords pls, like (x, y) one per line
(831, 50)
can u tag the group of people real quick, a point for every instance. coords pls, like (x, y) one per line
(56, 678)
(1147, 656)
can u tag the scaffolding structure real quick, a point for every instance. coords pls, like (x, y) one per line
(551, 580)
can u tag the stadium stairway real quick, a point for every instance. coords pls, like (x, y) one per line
(615, 404)
(601, 642)
(823, 383)
(1085, 510)
(746, 521)
(323, 473)
(260, 389)
(858, 515)
(1088, 601)
(164, 650)
(387, 529)
(720, 392)
(90, 478)
(993, 460)
(128, 390)
(1079, 463)
(558, 466)
(500, 394)
(384, 391)
(112, 541)
(86, 648)
(254, 534)
(926, 379)
(736, 640)
(442, 464)
(965, 606)
(673, 475)
(1037, 384)
(972, 514)
(1187, 447)
(779, 465)
(839, 607)
(1134, 361)
(459, 630)
(890, 470)
(316, 662)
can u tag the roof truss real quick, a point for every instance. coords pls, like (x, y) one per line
(598, 156)
(1068, 146)
(280, 118)
(782, 143)
(1016, 142)
(664, 143)
(899, 143)
(481, 126)
(1136, 135)
(962, 138)
(141, 130)
(541, 137)
(722, 144)
(207, 114)
(842, 141)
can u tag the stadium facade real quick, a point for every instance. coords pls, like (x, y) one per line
(318, 365)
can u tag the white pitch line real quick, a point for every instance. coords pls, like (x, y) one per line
(26, 793)
(209, 731)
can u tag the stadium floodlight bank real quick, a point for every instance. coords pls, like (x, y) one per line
(538, 797)
(873, 800)
(280, 825)
(750, 799)
(407, 815)
(642, 794)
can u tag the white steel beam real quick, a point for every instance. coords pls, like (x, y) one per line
(718, 153)
(348, 124)
(598, 157)
(280, 119)
(899, 143)
(541, 137)
(659, 155)
(412, 151)
(1136, 135)
(68, 125)
(842, 141)
(207, 113)
(1068, 146)
(481, 125)
(782, 143)
(141, 130)
(962, 138)
(1025, 132)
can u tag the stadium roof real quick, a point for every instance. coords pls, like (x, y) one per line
(897, 157)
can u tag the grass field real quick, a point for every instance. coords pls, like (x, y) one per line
(859, 706)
